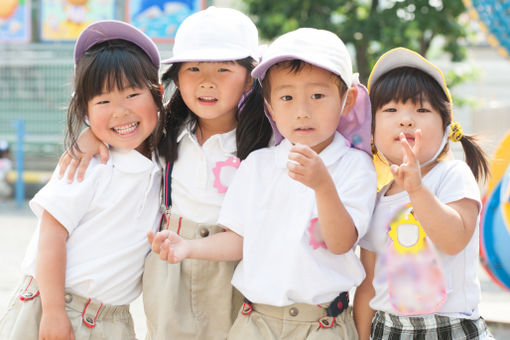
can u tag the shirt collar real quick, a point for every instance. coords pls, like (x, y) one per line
(131, 161)
(332, 153)
(227, 140)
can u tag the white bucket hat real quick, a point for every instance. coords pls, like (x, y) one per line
(326, 50)
(317, 47)
(215, 34)
(403, 57)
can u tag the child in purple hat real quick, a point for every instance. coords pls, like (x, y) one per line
(294, 212)
(84, 264)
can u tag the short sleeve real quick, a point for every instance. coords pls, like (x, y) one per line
(69, 202)
(357, 187)
(458, 182)
(234, 204)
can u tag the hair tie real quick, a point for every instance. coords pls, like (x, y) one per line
(456, 133)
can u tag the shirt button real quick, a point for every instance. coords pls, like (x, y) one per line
(293, 311)
(89, 319)
(68, 298)
(28, 294)
(204, 232)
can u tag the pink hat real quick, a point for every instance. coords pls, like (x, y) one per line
(326, 50)
(101, 31)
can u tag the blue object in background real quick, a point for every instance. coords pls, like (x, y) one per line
(20, 162)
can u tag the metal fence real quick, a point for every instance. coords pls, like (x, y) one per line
(35, 85)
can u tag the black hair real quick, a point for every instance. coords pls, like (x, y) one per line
(408, 83)
(295, 66)
(253, 128)
(110, 65)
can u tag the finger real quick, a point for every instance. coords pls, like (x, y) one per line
(82, 167)
(159, 238)
(150, 237)
(63, 163)
(409, 156)
(305, 150)
(71, 169)
(163, 250)
(417, 142)
(299, 158)
(103, 153)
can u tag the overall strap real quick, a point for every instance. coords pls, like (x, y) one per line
(168, 186)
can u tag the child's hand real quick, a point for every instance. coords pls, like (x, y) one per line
(408, 174)
(89, 146)
(55, 326)
(306, 166)
(170, 246)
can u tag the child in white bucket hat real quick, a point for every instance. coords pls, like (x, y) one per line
(215, 119)
(294, 212)
(421, 251)
(84, 264)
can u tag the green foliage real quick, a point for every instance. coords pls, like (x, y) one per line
(371, 27)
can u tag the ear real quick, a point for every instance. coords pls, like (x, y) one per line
(269, 108)
(248, 85)
(352, 95)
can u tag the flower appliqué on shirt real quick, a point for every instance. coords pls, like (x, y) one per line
(316, 240)
(232, 162)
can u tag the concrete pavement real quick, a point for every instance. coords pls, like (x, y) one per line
(18, 223)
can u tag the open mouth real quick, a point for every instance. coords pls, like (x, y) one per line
(126, 129)
(207, 100)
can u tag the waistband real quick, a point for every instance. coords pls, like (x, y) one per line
(423, 322)
(302, 312)
(186, 228)
(91, 310)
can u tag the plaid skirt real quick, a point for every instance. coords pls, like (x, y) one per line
(430, 327)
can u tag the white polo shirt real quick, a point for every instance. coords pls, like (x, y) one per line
(450, 181)
(273, 212)
(196, 194)
(107, 216)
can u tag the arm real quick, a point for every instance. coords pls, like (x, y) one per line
(51, 265)
(225, 246)
(449, 226)
(336, 225)
(362, 312)
(89, 146)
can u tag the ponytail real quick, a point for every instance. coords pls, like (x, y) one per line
(476, 158)
(253, 129)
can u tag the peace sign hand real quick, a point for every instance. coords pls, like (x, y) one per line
(408, 174)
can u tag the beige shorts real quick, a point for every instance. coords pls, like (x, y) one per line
(297, 321)
(90, 319)
(192, 299)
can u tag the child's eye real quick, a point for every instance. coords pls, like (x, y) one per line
(193, 69)
(132, 95)
(286, 98)
(317, 96)
(223, 70)
(102, 102)
(389, 109)
(422, 110)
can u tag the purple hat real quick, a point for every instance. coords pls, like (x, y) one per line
(100, 31)
(326, 50)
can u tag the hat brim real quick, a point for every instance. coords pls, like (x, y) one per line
(205, 55)
(101, 31)
(403, 57)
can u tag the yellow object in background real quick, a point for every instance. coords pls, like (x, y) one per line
(384, 175)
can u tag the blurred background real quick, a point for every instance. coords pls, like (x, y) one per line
(468, 39)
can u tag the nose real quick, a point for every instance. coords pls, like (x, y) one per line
(121, 109)
(406, 121)
(303, 110)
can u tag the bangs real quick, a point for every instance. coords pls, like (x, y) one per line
(407, 83)
(109, 67)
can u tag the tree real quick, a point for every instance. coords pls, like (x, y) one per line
(371, 27)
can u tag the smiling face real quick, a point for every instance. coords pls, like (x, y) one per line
(212, 91)
(305, 104)
(394, 118)
(123, 118)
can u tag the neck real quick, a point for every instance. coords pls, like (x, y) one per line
(209, 127)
